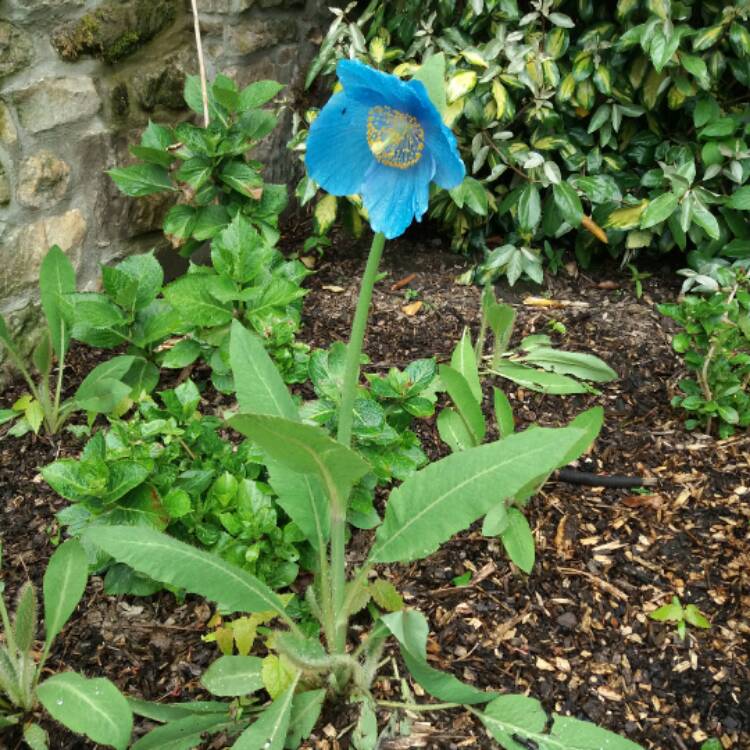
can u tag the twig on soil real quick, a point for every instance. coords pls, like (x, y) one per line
(608, 587)
(614, 481)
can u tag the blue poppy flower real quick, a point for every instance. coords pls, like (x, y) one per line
(382, 138)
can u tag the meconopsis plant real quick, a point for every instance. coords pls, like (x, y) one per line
(384, 139)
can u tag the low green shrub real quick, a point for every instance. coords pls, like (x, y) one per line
(167, 467)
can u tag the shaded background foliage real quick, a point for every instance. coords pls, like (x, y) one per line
(615, 127)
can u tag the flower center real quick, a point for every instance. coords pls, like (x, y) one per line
(395, 138)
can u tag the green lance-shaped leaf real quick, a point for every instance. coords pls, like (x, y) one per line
(449, 495)
(578, 364)
(518, 716)
(305, 449)
(94, 707)
(170, 711)
(64, 584)
(260, 387)
(306, 709)
(233, 675)
(503, 413)
(568, 202)
(56, 278)
(518, 540)
(464, 361)
(184, 733)
(453, 431)
(269, 731)
(303, 498)
(590, 423)
(34, 736)
(25, 621)
(529, 208)
(538, 380)
(410, 629)
(170, 561)
(468, 407)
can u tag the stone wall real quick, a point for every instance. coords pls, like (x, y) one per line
(79, 80)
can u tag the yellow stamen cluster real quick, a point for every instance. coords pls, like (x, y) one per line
(395, 138)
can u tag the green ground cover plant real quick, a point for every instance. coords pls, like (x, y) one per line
(90, 706)
(715, 345)
(104, 390)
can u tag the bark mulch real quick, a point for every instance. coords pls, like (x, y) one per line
(575, 633)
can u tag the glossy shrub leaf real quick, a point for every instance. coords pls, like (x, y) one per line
(233, 675)
(519, 541)
(568, 202)
(170, 561)
(102, 389)
(450, 494)
(324, 214)
(64, 584)
(432, 74)
(197, 298)
(740, 199)
(658, 210)
(411, 629)
(94, 707)
(529, 208)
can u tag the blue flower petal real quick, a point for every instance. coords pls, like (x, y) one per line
(338, 156)
(395, 197)
(372, 87)
(449, 168)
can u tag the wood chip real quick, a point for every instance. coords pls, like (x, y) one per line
(412, 309)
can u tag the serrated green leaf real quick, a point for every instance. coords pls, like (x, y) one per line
(385, 595)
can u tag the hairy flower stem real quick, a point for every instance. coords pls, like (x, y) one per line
(346, 416)
(354, 349)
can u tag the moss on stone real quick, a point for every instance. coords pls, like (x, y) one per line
(120, 100)
(114, 30)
